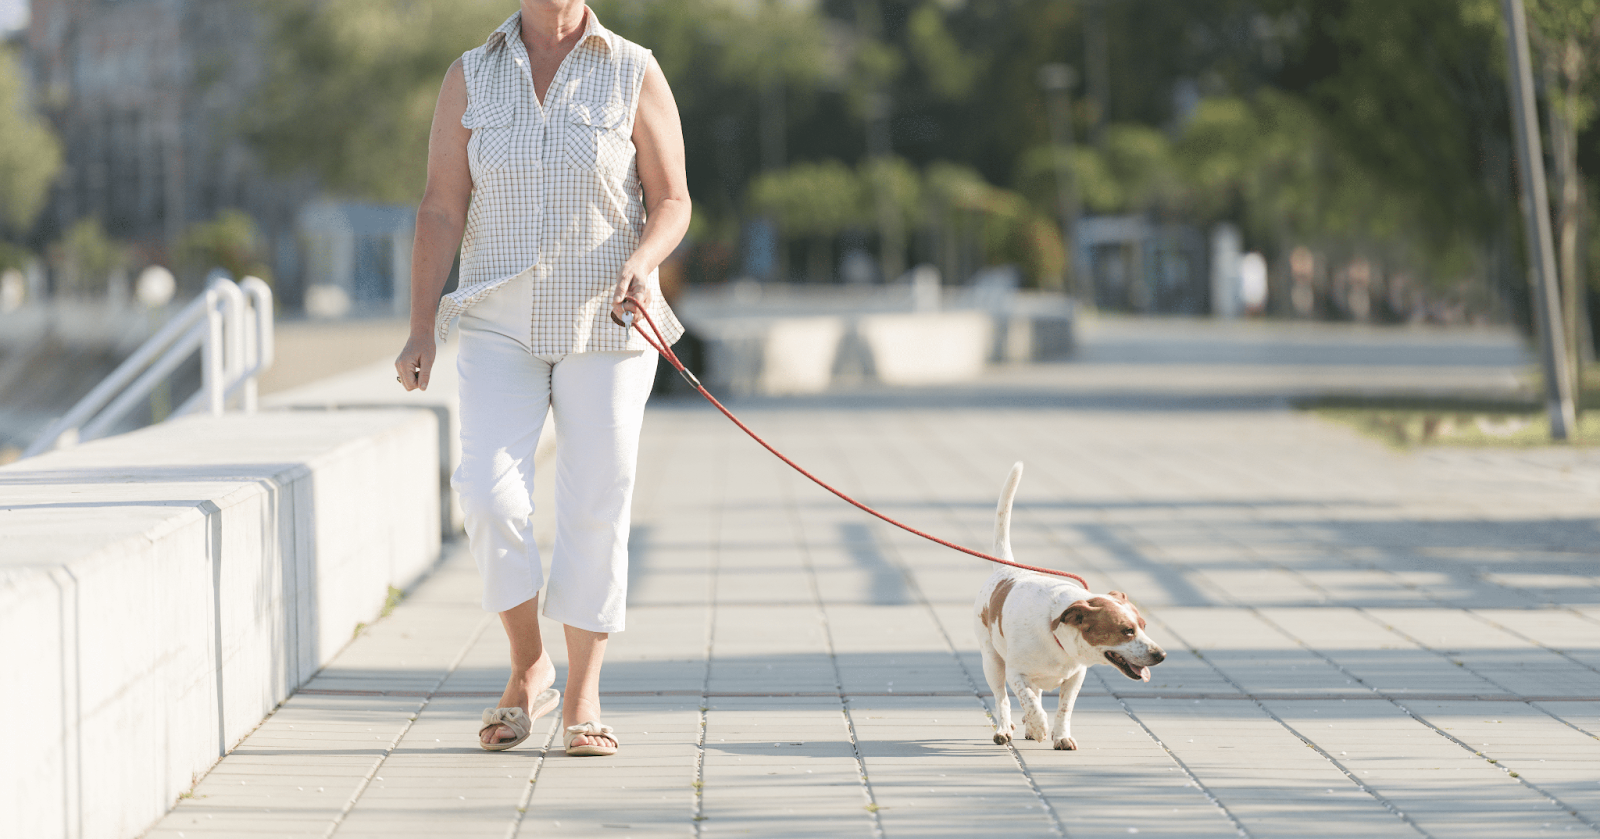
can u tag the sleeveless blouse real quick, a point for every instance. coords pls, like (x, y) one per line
(555, 188)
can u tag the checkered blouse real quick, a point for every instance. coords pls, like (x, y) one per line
(555, 187)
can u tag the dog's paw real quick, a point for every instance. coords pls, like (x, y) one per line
(1001, 739)
(1067, 744)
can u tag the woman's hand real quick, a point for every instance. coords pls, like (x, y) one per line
(634, 282)
(416, 362)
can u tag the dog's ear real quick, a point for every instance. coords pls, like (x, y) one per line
(1123, 599)
(1073, 615)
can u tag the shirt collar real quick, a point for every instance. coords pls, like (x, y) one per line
(512, 28)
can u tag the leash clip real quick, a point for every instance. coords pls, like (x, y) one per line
(627, 320)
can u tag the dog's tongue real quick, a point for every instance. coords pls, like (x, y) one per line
(1144, 674)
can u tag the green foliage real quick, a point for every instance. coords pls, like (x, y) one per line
(752, 45)
(811, 199)
(1414, 100)
(14, 257)
(231, 241)
(30, 156)
(895, 177)
(86, 256)
(1011, 229)
(949, 72)
(1567, 36)
(352, 85)
(1355, 124)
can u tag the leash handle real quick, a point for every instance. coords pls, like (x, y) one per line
(659, 344)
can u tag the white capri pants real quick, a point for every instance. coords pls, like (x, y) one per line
(598, 399)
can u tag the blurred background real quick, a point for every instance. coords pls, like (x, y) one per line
(1289, 160)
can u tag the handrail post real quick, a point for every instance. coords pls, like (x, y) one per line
(230, 323)
(261, 348)
(213, 374)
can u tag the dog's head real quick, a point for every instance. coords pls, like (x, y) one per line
(1112, 627)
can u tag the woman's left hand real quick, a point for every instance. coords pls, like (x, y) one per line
(633, 282)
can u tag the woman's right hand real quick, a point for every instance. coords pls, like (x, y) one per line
(415, 362)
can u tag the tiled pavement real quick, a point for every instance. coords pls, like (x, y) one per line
(1363, 642)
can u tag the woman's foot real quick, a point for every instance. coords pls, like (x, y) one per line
(519, 693)
(581, 711)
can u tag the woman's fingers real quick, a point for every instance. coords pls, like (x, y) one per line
(629, 288)
(424, 367)
(413, 366)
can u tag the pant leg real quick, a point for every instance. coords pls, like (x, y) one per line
(505, 392)
(598, 399)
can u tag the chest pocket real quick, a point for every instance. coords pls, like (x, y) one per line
(595, 140)
(490, 145)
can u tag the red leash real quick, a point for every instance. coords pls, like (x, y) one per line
(660, 345)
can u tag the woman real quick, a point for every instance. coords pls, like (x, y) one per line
(556, 160)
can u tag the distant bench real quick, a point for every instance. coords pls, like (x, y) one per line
(162, 591)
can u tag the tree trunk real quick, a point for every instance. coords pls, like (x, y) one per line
(1564, 149)
(821, 271)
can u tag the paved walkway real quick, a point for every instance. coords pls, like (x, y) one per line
(1363, 642)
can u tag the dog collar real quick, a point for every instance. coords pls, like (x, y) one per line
(1058, 641)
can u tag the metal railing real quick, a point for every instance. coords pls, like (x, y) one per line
(231, 326)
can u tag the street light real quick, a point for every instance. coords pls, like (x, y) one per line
(1057, 81)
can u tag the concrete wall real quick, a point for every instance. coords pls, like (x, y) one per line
(781, 340)
(162, 591)
(373, 386)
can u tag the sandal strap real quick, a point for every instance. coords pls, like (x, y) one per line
(513, 718)
(592, 728)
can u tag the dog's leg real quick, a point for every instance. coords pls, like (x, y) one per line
(994, 670)
(1067, 699)
(1032, 702)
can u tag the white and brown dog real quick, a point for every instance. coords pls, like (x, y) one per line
(1039, 632)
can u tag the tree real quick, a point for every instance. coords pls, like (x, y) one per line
(30, 156)
(814, 201)
(1566, 35)
(86, 256)
(231, 241)
(1412, 97)
(351, 87)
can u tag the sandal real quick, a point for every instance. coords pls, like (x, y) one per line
(516, 719)
(593, 728)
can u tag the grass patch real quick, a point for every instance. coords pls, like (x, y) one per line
(1433, 427)
(1409, 421)
(391, 601)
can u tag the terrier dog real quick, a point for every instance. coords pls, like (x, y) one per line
(1039, 632)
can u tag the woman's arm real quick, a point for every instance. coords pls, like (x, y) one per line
(658, 139)
(440, 221)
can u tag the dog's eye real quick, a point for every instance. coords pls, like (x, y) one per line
(1128, 632)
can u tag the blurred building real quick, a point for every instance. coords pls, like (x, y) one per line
(145, 96)
(1135, 265)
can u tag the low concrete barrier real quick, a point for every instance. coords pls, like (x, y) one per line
(921, 348)
(162, 591)
(781, 340)
(373, 386)
(772, 356)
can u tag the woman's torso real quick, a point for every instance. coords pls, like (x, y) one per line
(556, 187)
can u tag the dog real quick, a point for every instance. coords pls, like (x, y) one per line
(1039, 632)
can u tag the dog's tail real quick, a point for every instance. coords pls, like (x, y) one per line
(1002, 513)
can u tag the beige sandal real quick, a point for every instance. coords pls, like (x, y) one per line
(516, 719)
(593, 728)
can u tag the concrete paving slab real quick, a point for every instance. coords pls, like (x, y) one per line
(1345, 623)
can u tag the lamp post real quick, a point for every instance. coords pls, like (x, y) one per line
(1536, 217)
(1057, 80)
